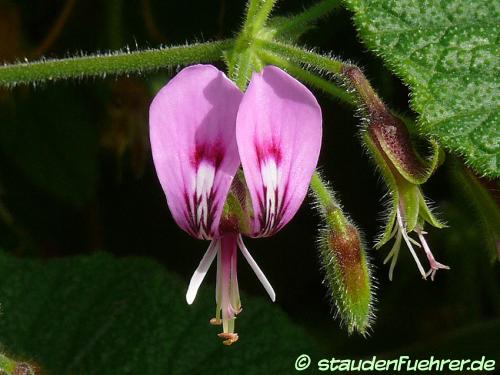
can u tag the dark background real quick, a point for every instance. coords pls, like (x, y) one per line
(76, 176)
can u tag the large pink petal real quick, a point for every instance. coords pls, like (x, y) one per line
(278, 130)
(192, 131)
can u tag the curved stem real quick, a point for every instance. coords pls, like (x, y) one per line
(112, 63)
(263, 14)
(299, 22)
(308, 77)
(298, 54)
(321, 191)
(244, 69)
(327, 203)
(252, 10)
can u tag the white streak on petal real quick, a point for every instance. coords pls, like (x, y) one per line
(201, 271)
(203, 184)
(270, 179)
(258, 272)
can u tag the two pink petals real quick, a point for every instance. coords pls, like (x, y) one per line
(202, 129)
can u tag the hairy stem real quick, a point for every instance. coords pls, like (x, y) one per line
(301, 55)
(328, 206)
(301, 21)
(309, 78)
(112, 63)
(322, 191)
(263, 14)
(244, 69)
(253, 7)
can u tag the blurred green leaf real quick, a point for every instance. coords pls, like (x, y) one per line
(51, 136)
(483, 208)
(101, 315)
(446, 51)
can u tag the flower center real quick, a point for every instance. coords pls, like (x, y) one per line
(227, 293)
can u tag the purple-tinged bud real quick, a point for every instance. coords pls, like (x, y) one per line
(344, 262)
(389, 143)
(348, 276)
(388, 134)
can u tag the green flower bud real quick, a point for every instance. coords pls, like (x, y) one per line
(344, 262)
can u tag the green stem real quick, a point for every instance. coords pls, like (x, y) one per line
(263, 14)
(252, 9)
(244, 69)
(257, 62)
(308, 77)
(301, 21)
(330, 208)
(113, 63)
(322, 191)
(302, 56)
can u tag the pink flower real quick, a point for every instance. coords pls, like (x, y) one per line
(203, 130)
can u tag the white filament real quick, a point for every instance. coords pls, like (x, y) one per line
(258, 272)
(201, 271)
(408, 243)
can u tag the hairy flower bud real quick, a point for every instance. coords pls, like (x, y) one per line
(389, 134)
(344, 261)
(388, 141)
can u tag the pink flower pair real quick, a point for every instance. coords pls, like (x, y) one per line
(233, 163)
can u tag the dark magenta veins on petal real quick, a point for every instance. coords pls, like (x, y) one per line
(201, 224)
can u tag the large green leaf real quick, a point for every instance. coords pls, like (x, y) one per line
(447, 52)
(100, 315)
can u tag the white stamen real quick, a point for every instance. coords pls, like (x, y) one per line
(394, 253)
(408, 243)
(258, 272)
(201, 271)
(415, 242)
(218, 283)
(435, 265)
